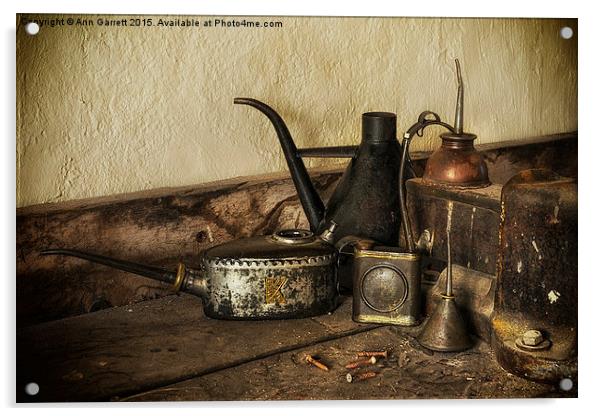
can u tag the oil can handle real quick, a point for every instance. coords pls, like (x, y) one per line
(416, 129)
(353, 240)
(347, 241)
(329, 152)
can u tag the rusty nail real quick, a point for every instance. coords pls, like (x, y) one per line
(383, 354)
(360, 377)
(361, 363)
(315, 362)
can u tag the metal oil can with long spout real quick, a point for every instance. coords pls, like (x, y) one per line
(457, 164)
(290, 274)
(365, 202)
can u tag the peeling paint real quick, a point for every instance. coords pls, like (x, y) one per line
(553, 296)
(474, 209)
(209, 234)
(554, 219)
(534, 244)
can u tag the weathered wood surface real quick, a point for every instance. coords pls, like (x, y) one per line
(410, 373)
(506, 159)
(125, 350)
(474, 227)
(557, 152)
(165, 349)
(165, 225)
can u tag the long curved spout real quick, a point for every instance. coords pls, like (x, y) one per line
(310, 200)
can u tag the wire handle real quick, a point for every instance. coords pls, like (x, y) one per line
(425, 119)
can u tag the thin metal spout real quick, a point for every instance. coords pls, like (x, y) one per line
(310, 200)
(153, 272)
(449, 285)
(459, 120)
(329, 152)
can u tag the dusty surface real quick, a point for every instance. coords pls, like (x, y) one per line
(409, 373)
(166, 349)
(134, 348)
(90, 123)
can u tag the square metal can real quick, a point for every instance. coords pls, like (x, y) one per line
(386, 286)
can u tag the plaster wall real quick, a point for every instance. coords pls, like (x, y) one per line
(108, 110)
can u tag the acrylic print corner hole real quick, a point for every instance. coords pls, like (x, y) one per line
(566, 32)
(32, 28)
(32, 389)
(566, 384)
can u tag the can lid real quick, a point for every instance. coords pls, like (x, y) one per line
(293, 236)
(285, 244)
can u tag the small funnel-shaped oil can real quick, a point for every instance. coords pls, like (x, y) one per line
(445, 329)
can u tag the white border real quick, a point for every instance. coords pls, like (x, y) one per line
(590, 158)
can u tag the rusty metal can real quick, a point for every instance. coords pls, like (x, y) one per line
(291, 274)
(386, 286)
(534, 322)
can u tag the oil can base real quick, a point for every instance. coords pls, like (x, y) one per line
(445, 329)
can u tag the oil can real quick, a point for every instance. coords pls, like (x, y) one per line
(386, 286)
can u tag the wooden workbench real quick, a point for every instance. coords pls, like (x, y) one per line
(165, 349)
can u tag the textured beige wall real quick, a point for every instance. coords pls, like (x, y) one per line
(102, 111)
